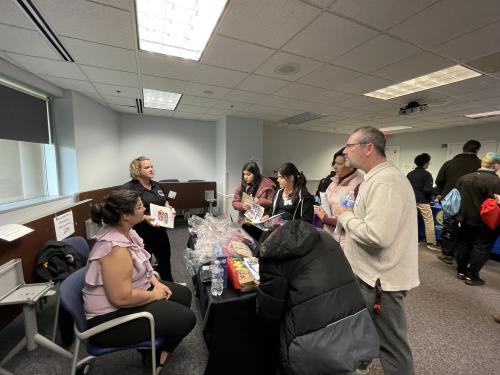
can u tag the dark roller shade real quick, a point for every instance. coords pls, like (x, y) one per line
(22, 117)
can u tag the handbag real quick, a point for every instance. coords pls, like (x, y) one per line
(490, 213)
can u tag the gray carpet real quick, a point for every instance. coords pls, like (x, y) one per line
(451, 328)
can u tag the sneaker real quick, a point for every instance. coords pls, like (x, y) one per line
(460, 276)
(448, 259)
(434, 247)
(496, 318)
(474, 282)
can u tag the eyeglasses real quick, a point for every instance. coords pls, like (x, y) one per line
(350, 145)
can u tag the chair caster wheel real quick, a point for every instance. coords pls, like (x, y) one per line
(83, 369)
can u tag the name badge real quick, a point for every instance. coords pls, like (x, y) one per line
(160, 193)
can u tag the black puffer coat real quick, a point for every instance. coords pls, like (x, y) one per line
(307, 284)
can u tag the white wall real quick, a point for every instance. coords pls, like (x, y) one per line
(182, 149)
(311, 152)
(412, 144)
(220, 163)
(96, 144)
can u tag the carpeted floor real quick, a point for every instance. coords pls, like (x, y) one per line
(451, 328)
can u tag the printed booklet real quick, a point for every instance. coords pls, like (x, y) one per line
(163, 216)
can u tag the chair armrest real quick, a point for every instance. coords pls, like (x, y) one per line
(116, 322)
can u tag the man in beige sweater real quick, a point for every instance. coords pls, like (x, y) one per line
(382, 244)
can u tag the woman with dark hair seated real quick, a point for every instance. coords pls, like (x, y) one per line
(120, 281)
(258, 187)
(292, 200)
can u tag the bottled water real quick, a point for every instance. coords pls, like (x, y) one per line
(217, 279)
(349, 199)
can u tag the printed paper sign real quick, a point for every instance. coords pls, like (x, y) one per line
(64, 225)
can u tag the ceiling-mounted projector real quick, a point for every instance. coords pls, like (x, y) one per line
(413, 107)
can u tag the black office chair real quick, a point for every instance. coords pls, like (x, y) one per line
(196, 180)
(169, 180)
(72, 300)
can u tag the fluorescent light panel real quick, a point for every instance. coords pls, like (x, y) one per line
(177, 27)
(440, 78)
(393, 128)
(160, 99)
(483, 114)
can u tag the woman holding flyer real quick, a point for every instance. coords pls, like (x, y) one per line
(254, 190)
(151, 192)
(345, 182)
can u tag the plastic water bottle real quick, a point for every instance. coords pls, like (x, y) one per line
(217, 279)
(349, 200)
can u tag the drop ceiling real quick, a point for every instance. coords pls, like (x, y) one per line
(342, 49)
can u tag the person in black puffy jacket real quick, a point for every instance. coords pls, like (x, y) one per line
(308, 288)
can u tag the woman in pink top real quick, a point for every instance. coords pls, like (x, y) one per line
(347, 179)
(120, 281)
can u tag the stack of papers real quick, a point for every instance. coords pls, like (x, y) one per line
(162, 216)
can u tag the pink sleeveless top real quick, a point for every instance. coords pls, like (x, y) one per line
(95, 300)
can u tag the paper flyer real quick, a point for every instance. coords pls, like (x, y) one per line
(162, 216)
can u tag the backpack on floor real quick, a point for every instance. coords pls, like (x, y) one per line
(56, 260)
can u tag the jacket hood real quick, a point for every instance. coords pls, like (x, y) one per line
(265, 184)
(294, 239)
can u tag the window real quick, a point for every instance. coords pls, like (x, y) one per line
(27, 155)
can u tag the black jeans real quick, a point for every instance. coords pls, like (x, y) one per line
(173, 320)
(473, 249)
(449, 236)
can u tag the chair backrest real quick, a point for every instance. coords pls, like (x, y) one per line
(72, 299)
(80, 245)
(169, 180)
(196, 180)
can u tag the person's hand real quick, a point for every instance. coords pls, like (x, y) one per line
(264, 218)
(246, 207)
(257, 201)
(320, 212)
(149, 219)
(438, 198)
(161, 291)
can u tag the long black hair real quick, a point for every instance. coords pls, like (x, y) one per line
(299, 180)
(253, 168)
(113, 206)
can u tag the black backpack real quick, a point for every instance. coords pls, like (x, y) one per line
(56, 260)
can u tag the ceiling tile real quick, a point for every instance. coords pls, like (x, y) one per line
(11, 14)
(469, 85)
(380, 14)
(445, 20)
(116, 90)
(325, 38)
(208, 91)
(231, 105)
(96, 22)
(122, 4)
(94, 54)
(49, 67)
(26, 42)
(190, 108)
(329, 77)
(306, 66)
(116, 100)
(261, 109)
(198, 101)
(414, 66)
(261, 84)
(475, 44)
(163, 84)
(186, 115)
(220, 112)
(299, 91)
(268, 23)
(364, 84)
(234, 54)
(217, 76)
(278, 101)
(71, 84)
(243, 96)
(158, 112)
(113, 77)
(376, 53)
(330, 97)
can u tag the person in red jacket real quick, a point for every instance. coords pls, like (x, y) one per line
(259, 187)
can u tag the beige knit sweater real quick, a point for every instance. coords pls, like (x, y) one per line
(381, 237)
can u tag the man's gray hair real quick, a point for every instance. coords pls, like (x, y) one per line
(370, 134)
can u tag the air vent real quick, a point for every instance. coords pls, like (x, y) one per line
(303, 117)
(37, 19)
(138, 105)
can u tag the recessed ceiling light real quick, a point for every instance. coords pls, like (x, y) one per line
(440, 78)
(393, 128)
(483, 114)
(287, 69)
(177, 27)
(160, 99)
